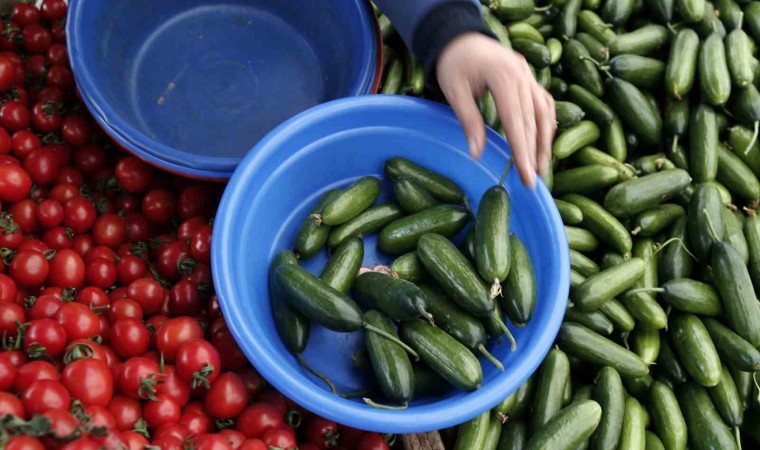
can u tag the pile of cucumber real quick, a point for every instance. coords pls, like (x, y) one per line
(428, 314)
(655, 174)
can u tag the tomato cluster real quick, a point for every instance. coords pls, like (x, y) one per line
(112, 334)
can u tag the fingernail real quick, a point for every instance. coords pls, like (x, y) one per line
(473, 146)
(532, 179)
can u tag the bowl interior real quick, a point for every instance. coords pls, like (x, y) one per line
(211, 78)
(330, 146)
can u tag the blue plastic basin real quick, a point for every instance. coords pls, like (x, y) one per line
(191, 85)
(331, 145)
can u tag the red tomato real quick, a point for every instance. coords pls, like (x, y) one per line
(259, 418)
(10, 232)
(200, 245)
(161, 411)
(98, 252)
(148, 293)
(24, 142)
(7, 373)
(7, 289)
(63, 192)
(29, 269)
(14, 116)
(198, 363)
(82, 444)
(372, 441)
(62, 423)
(211, 442)
(134, 175)
(253, 444)
(168, 443)
(58, 54)
(22, 442)
(45, 307)
(75, 129)
(44, 395)
(158, 206)
(129, 337)
(69, 176)
(45, 334)
(51, 94)
(7, 72)
(37, 39)
(89, 381)
(42, 166)
(137, 377)
(49, 213)
(189, 226)
(79, 214)
(92, 297)
(82, 244)
(195, 423)
(281, 437)
(322, 432)
(130, 268)
(33, 371)
(58, 30)
(231, 356)
(15, 182)
(174, 261)
(67, 270)
(23, 213)
(124, 308)
(11, 405)
(109, 230)
(82, 349)
(77, 320)
(185, 299)
(60, 76)
(275, 399)
(58, 238)
(125, 411)
(195, 200)
(101, 273)
(5, 142)
(100, 417)
(235, 438)
(53, 10)
(171, 429)
(138, 228)
(227, 397)
(11, 314)
(24, 14)
(46, 116)
(213, 309)
(251, 380)
(134, 441)
(174, 387)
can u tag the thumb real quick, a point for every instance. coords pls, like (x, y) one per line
(462, 100)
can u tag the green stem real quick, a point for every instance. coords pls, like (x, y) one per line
(710, 226)
(644, 291)
(680, 241)
(490, 357)
(392, 338)
(311, 370)
(357, 394)
(380, 406)
(753, 140)
(425, 314)
(500, 324)
(506, 171)
(675, 144)
(737, 434)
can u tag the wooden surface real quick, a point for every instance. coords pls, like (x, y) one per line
(422, 441)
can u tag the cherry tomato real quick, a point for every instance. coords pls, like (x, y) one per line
(251, 380)
(10, 315)
(44, 395)
(109, 230)
(58, 238)
(37, 39)
(275, 399)
(195, 423)
(134, 175)
(184, 299)
(75, 129)
(171, 429)
(45, 307)
(130, 268)
(133, 440)
(231, 356)
(188, 227)
(23, 213)
(174, 387)
(49, 213)
(46, 116)
(5, 142)
(100, 417)
(322, 432)
(198, 363)
(7, 289)
(124, 308)
(42, 166)
(60, 76)
(253, 444)
(125, 411)
(58, 30)
(79, 214)
(78, 321)
(7, 73)
(101, 273)
(15, 183)
(58, 54)
(160, 411)
(83, 349)
(24, 14)
(63, 192)
(213, 309)
(195, 200)
(7, 373)
(89, 381)
(372, 441)
(14, 116)
(22, 442)
(29, 269)
(281, 437)
(99, 252)
(93, 297)
(129, 337)
(211, 442)
(67, 270)
(33, 371)
(227, 397)
(51, 94)
(168, 442)
(259, 418)
(45, 334)
(148, 293)
(63, 424)
(134, 373)
(53, 10)
(235, 438)
(200, 246)
(82, 243)
(10, 232)
(138, 228)
(10, 405)
(82, 444)
(158, 206)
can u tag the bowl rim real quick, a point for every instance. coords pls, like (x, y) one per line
(174, 160)
(321, 401)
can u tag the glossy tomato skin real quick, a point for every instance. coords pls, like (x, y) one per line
(62, 423)
(253, 444)
(235, 438)
(200, 245)
(189, 226)
(11, 315)
(78, 321)
(84, 348)
(101, 273)
(195, 423)
(29, 269)
(47, 335)
(195, 200)
(49, 213)
(53, 10)
(198, 363)
(93, 297)
(252, 381)
(79, 214)
(174, 387)
(134, 175)
(259, 418)
(130, 268)
(227, 397)
(75, 129)
(133, 374)
(159, 206)
(372, 441)
(231, 356)
(175, 332)
(22, 442)
(11, 405)
(211, 442)
(322, 432)
(126, 412)
(148, 293)
(15, 182)
(7, 289)
(7, 374)
(34, 371)
(44, 395)
(129, 337)
(37, 39)
(42, 165)
(109, 230)
(134, 441)
(23, 213)
(14, 116)
(185, 299)
(161, 411)
(280, 437)
(90, 381)
(124, 308)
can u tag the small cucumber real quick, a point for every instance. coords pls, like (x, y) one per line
(595, 109)
(633, 434)
(574, 138)
(514, 435)
(409, 267)
(524, 397)
(691, 296)
(567, 22)
(667, 362)
(642, 72)
(646, 343)
(390, 362)
(585, 180)
(392, 81)
(736, 176)
(691, 10)
(752, 19)
(703, 138)
(594, 320)
(580, 239)
(635, 110)
(607, 284)
(613, 137)
(752, 235)
(552, 379)
(675, 262)
(739, 56)
(641, 304)
(427, 382)
(609, 393)
(446, 265)
(726, 398)
(730, 13)
(745, 385)
(596, 49)
(568, 429)
(676, 120)
(492, 253)
(440, 186)
(618, 315)
(535, 53)
(682, 63)
(695, 349)
(571, 214)
(667, 417)
(444, 354)
(590, 155)
(365, 223)
(656, 220)
(311, 237)
(401, 235)
(578, 61)
(739, 140)
(513, 10)
(604, 225)
(706, 428)
(496, 27)
(734, 284)
(472, 434)
(653, 442)
(640, 194)
(555, 51)
(493, 433)
(595, 349)
(714, 78)
(643, 41)
(662, 10)
(582, 264)
(567, 114)
(412, 197)
(350, 202)
(591, 23)
(519, 290)
(617, 12)
(292, 327)
(343, 266)
(400, 299)
(705, 209)
(733, 234)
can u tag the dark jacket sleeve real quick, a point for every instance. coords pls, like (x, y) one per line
(426, 26)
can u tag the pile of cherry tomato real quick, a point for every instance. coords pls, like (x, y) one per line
(112, 336)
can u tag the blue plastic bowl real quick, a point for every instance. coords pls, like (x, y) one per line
(331, 145)
(191, 85)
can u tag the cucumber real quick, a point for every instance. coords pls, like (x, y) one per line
(519, 290)
(591, 23)
(643, 41)
(513, 10)
(505, 407)
(613, 137)
(662, 10)
(682, 62)
(583, 393)
(609, 393)
(674, 261)
(642, 305)
(589, 346)
(401, 235)
(409, 267)
(633, 434)
(676, 120)
(667, 417)
(745, 104)
(555, 52)
(706, 428)
(752, 235)
(569, 429)
(607, 284)
(524, 397)
(640, 194)
(580, 239)
(706, 198)
(365, 223)
(733, 234)
(745, 385)
(535, 53)
(752, 19)
(492, 253)
(726, 399)
(292, 327)
(311, 237)
(710, 23)
(440, 186)
(468, 246)
(617, 12)
(703, 137)
(714, 78)
(343, 266)
(577, 59)
(691, 10)
(316, 300)
(522, 30)
(558, 87)
(567, 393)
(390, 363)
(653, 442)
(618, 315)
(677, 154)
(646, 343)
(571, 214)
(739, 140)
(399, 299)
(638, 388)
(603, 224)
(514, 435)
(576, 280)
(552, 379)
(642, 72)
(739, 55)
(730, 13)
(350, 202)
(691, 296)
(590, 155)
(635, 110)
(392, 81)
(472, 434)
(567, 22)
(574, 138)
(653, 221)
(412, 197)
(596, 49)
(455, 274)
(582, 264)
(594, 320)
(733, 282)
(736, 176)
(668, 364)
(496, 27)
(493, 433)
(595, 109)
(695, 349)
(444, 354)
(567, 114)
(585, 180)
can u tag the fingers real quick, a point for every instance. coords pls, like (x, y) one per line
(546, 124)
(461, 98)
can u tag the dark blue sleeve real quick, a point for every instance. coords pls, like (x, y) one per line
(426, 26)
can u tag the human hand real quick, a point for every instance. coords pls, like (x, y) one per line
(472, 63)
